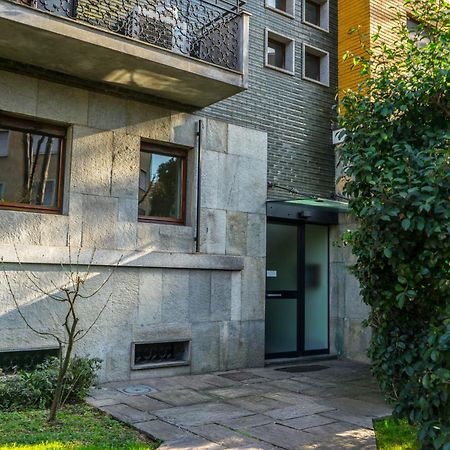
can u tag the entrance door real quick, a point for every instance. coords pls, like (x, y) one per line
(296, 289)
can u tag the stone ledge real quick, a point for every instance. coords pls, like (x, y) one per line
(34, 254)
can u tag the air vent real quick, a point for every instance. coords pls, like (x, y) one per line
(148, 355)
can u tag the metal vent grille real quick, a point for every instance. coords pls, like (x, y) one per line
(160, 354)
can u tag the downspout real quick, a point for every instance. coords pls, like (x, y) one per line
(199, 185)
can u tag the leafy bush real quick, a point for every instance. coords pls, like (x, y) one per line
(34, 389)
(397, 154)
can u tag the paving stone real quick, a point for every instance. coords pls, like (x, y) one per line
(362, 421)
(239, 376)
(126, 413)
(217, 380)
(357, 407)
(158, 429)
(189, 443)
(240, 391)
(301, 423)
(282, 436)
(102, 402)
(305, 409)
(144, 403)
(290, 398)
(181, 397)
(223, 436)
(197, 382)
(257, 403)
(343, 435)
(248, 421)
(200, 414)
(291, 385)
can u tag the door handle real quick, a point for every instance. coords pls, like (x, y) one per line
(274, 295)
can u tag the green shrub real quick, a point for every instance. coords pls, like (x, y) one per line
(34, 389)
(397, 154)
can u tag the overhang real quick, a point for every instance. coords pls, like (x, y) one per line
(317, 210)
(66, 46)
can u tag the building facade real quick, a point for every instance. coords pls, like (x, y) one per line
(185, 147)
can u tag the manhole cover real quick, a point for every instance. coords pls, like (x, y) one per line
(300, 369)
(140, 389)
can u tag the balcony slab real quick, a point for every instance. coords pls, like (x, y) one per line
(65, 46)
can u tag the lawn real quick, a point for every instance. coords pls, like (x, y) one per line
(393, 435)
(79, 427)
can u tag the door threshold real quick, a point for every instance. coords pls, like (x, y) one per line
(300, 359)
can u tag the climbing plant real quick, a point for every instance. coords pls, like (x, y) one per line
(396, 155)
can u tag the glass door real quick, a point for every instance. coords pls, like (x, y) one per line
(296, 289)
(282, 298)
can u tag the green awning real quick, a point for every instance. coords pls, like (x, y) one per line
(333, 205)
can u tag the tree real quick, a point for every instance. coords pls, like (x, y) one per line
(69, 294)
(396, 156)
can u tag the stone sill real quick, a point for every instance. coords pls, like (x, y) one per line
(34, 254)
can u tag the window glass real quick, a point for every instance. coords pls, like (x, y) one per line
(30, 167)
(276, 53)
(278, 4)
(312, 12)
(312, 66)
(161, 185)
(417, 33)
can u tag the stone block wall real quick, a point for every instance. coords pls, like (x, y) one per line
(348, 337)
(162, 288)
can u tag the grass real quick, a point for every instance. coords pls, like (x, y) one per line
(79, 427)
(395, 435)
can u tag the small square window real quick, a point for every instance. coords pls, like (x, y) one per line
(316, 65)
(279, 52)
(162, 183)
(417, 33)
(31, 164)
(316, 13)
(281, 6)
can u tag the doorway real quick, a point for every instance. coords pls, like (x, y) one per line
(297, 310)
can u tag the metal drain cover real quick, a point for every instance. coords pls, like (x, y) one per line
(300, 369)
(139, 389)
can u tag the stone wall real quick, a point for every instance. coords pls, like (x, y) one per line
(348, 337)
(162, 289)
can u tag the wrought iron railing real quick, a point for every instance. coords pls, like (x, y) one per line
(209, 30)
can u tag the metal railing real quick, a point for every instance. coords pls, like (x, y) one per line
(209, 30)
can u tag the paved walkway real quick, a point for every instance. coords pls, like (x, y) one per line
(254, 408)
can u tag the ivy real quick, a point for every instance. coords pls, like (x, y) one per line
(396, 156)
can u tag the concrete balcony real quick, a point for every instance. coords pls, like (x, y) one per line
(193, 52)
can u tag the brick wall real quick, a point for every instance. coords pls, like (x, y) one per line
(296, 113)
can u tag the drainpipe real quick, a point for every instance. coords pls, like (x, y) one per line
(199, 184)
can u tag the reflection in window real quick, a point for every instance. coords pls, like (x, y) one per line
(417, 33)
(312, 66)
(312, 12)
(276, 53)
(161, 184)
(30, 163)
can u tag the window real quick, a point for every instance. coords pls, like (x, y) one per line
(279, 52)
(31, 164)
(162, 183)
(417, 33)
(146, 355)
(282, 6)
(316, 65)
(316, 13)
(65, 8)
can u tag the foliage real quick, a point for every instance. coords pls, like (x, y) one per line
(35, 389)
(395, 434)
(79, 427)
(396, 154)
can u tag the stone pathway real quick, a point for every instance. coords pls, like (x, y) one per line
(263, 408)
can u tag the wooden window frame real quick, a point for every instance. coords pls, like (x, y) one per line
(46, 129)
(168, 150)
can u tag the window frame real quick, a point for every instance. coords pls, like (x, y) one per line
(324, 14)
(324, 59)
(167, 150)
(46, 129)
(290, 8)
(289, 56)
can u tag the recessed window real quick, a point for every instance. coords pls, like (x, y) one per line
(316, 13)
(417, 33)
(279, 52)
(31, 164)
(282, 6)
(316, 65)
(162, 183)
